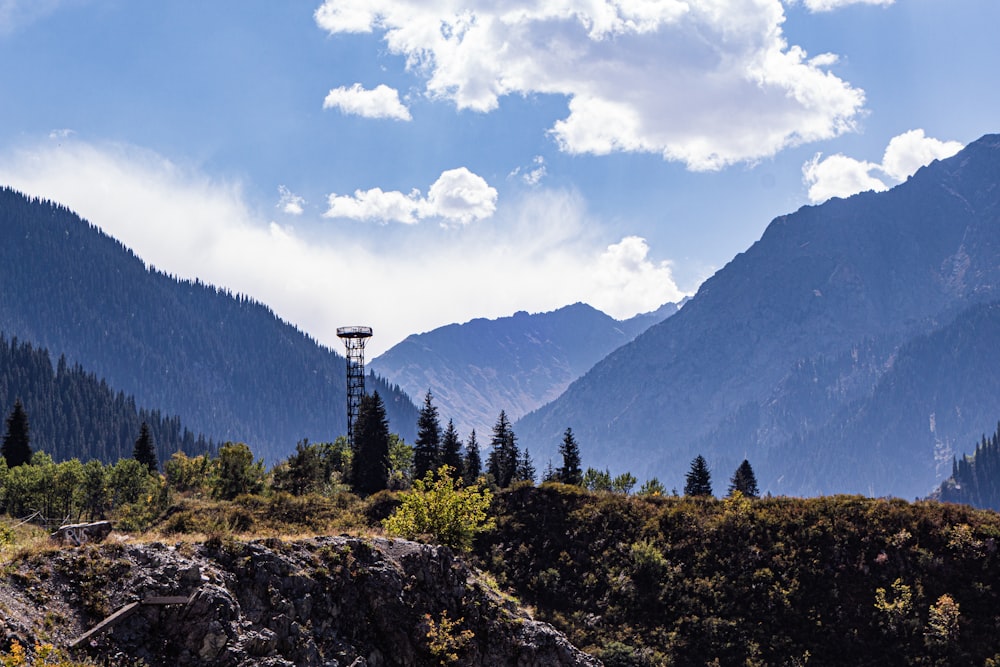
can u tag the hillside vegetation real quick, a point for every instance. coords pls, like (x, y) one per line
(645, 580)
(227, 363)
(72, 414)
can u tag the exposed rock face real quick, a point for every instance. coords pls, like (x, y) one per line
(331, 601)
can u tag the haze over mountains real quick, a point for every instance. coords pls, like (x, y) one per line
(516, 363)
(226, 364)
(849, 350)
(838, 353)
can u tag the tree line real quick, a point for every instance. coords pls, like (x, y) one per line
(136, 487)
(74, 414)
(975, 479)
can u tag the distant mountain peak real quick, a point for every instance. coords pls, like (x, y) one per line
(515, 363)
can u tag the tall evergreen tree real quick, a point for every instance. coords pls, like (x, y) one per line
(145, 450)
(472, 466)
(570, 471)
(451, 449)
(371, 446)
(16, 447)
(525, 468)
(699, 479)
(504, 454)
(427, 446)
(744, 481)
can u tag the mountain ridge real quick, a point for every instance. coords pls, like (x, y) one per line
(887, 266)
(514, 363)
(226, 363)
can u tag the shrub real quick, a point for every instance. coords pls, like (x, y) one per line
(441, 508)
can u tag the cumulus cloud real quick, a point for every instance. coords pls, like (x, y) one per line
(830, 5)
(381, 102)
(290, 202)
(911, 150)
(191, 226)
(458, 196)
(626, 277)
(842, 176)
(707, 83)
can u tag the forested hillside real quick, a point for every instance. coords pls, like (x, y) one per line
(975, 478)
(226, 363)
(71, 413)
(838, 580)
(804, 353)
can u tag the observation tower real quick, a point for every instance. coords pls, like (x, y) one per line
(354, 338)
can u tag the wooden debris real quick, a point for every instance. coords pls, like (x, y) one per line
(82, 533)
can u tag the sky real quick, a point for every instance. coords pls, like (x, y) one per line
(407, 164)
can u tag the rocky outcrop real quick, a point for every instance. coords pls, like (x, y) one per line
(331, 601)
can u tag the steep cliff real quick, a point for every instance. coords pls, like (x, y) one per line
(331, 601)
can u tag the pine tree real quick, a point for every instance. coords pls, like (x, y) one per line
(698, 481)
(451, 449)
(504, 455)
(744, 481)
(525, 468)
(145, 451)
(427, 446)
(16, 447)
(570, 471)
(371, 446)
(472, 466)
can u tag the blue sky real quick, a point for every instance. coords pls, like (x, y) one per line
(405, 164)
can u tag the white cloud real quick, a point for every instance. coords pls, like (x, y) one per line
(381, 102)
(705, 82)
(839, 176)
(842, 176)
(911, 150)
(415, 278)
(290, 202)
(56, 135)
(830, 5)
(375, 204)
(625, 278)
(532, 175)
(458, 196)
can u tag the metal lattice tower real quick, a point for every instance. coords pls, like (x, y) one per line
(354, 338)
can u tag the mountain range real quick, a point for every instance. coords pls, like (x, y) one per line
(848, 350)
(845, 351)
(227, 364)
(516, 363)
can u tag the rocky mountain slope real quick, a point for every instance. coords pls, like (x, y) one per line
(325, 601)
(516, 363)
(227, 364)
(792, 337)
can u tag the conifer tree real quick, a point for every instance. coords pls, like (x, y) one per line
(698, 481)
(504, 454)
(570, 471)
(16, 447)
(451, 449)
(744, 481)
(427, 446)
(525, 468)
(472, 466)
(371, 447)
(145, 451)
